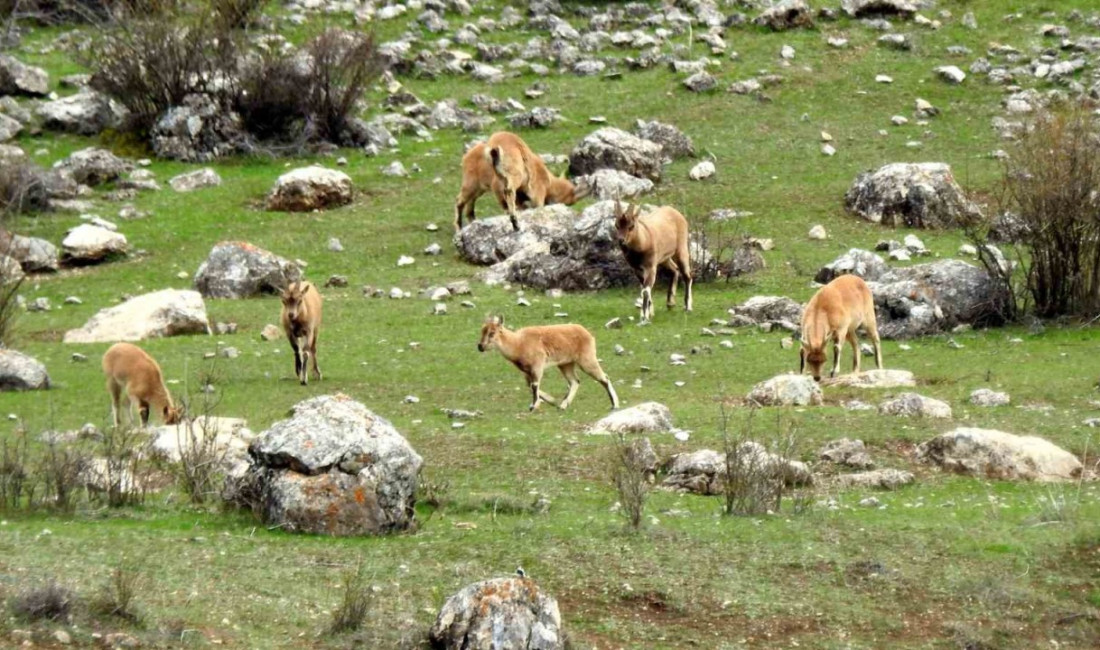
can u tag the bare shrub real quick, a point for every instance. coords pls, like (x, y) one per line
(755, 476)
(343, 65)
(630, 473)
(201, 458)
(236, 14)
(48, 602)
(356, 601)
(11, 280)
(271, 98)
(721, 250)
(17, 485)
(61, 468)
(1050, 182)
(58, 12)
(118, 474)
(118, 594)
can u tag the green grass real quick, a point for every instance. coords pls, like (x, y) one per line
(953, 560)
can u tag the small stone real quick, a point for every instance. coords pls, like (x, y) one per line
(337, 281)
(706, 331)
(271, 332)
(726, 343)
(786, 343)
(968, 250)
(231, 353)
(405, 260)
(341, 161)
(677, 359)
(619, 350)
(431, 227)
(79, 358)
(786, 52)
(899, 255)
(335, 246)
(439, 309)
(951, 74)
(899, 120)
(411, 399)
(614, 324)
(870, 502)
(828, 150)
(62, 637)
(702, 170)
(884, 79)
(396, 293)
(395, 168)
(433, 249)
(818, 232)
(522, 302)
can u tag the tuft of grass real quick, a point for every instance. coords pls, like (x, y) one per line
(356, 601)
(49, 602)
(118, 594)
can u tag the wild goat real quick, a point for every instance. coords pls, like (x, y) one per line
(836, 311)
(533, 349)
(520, 173)
(131, 369)
(657, 239)
(302, 321)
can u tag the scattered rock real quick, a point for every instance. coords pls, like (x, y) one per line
(859, 262)
(932, 298)
(650, 417)
(951, 74)
(995, 454)
(88, 244)
(236, 269)
(700, 82)
(914, 405)
(786, 14)
(86, 113)
(872, 8)
(18, 78)
(612, 184)
(879, 479)
(847, 452)
(93, 166)
(818, 232)
(674, 144)
(512, 613)
(787, 390)
(873, 379)
(198, 179)
(702, 170)
(168, 312)
(34, 255)
(765, 309)
(271, 332)
(987, 397)
(309, 188)
(704, 471)
(228, 438)
(200, 129)
(21, 372)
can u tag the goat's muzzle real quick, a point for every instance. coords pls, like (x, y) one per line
(480, 347)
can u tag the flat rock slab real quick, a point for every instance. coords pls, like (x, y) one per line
(227, 438)
(876, 378)
(499, 614)
(168, 312)
(91, 244)
(198, 179)
(650, 417)
(611, 148)
(995, 454)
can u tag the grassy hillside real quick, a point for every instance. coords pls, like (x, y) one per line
(948, 562)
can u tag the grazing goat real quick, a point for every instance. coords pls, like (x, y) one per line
(533, 349)
(131, 369)
(657, 239)
(302, 321)
(835, 312)
(521, 173)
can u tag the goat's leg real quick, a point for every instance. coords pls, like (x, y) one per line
(313, 354)
(671, 301)
(591, 367)
(569, 371)
(297, 355)
(115, 390)
(838, 343)
(510, 196)
(647, 293)
(855, 349)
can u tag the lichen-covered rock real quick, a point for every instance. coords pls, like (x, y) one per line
(332, 468)
(674, 143)
(199, 130)
(309, 188)
(704, 471)
(86, 113)
(18, 78)
(649, 417)
(786, 14)
(847, 452)
(499, 614)
(787, 390)
(93, 166)
(21, 372)
(914, 405)
(916, 195)
(879, 479)
(168, 312)
(612, 185)
(995, 454)
(236, 269)
(611, 148)
(873, 378)
(90, 244)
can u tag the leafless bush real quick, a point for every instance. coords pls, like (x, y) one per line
(119, 473)
(343, 65)
(117, 596)
(236, 14)
(48, 602)
(17, 486)
(356, 602)
(721, 250)
(11, 280)
(755, 477)
(201, 458)
(1050, 182)
(271, 98)
(630, 473)
(61, 468)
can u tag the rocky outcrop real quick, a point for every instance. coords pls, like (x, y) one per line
(775, 310)
(932, 298)
(236, 269)
(168, 312)
(86, 113)
(611, 148)
(674, 143)
(199, 130)
(18, 78)
(998, 455)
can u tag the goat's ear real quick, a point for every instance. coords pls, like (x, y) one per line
(636, 210)
(500, 320)
(618, 208)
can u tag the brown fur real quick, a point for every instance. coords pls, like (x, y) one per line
(533, 349)
(835, 312)
(521, 172)
(657, 239)
(131, 369)
(301, 320)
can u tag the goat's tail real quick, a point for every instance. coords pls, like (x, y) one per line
(495, 157)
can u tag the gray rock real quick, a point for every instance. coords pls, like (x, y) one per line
(932, 298)
(18, 78)
(704, 471)
(674, 143)
(916, 195)
(786, 14)
(700, 82)
(537, 118)
(914, 405)
(873, 378)
(987, 397)
(896, 41)
(86, 113)
(702, 170)
(93, 166)
(649, 417)
(988, 453)
(33, 254)
(859, 262)
(332, 468)
(951, 74)
(90, 244)
(195, 180)
(9, 128)
(614, 148)
(227, 438)
(499, 614)
(168, 312)
(199, 130)
(879, 479)
(21, 372)
(846, 452)
(237, 269)
(612, 184)
(309, 188)
(767, 309)
(787, 390)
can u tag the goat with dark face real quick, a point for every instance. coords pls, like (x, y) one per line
(655, 240)
(301, 320)
(835, 312)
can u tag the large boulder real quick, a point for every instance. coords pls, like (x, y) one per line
(999, 455)
(932, 298)
(787, 390)
(332, 468)
(916, 195)
(91, 244)
(499, 614)
(18, 78)
(309, 188)
(616, 149)
(914, 405)
(704, 471)
(865, 264)
(766, 309)
(93, 166)
(86, 113)
(21, 372)
(612, 184)
(649, 417)
(786, 14)
(674, 144)
(237, 269)
(168, 312)
(199, 130)
(33, 254)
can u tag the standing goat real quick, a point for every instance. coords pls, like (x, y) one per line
(302, 321)
(520, 173)
(533, 349)
(836, 311)
(131, 369)
(657, 239)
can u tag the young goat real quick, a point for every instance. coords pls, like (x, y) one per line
(658, 239)
(131, 369)
(533, 349)
(302, 321)
(835, 312)
(521, 173)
